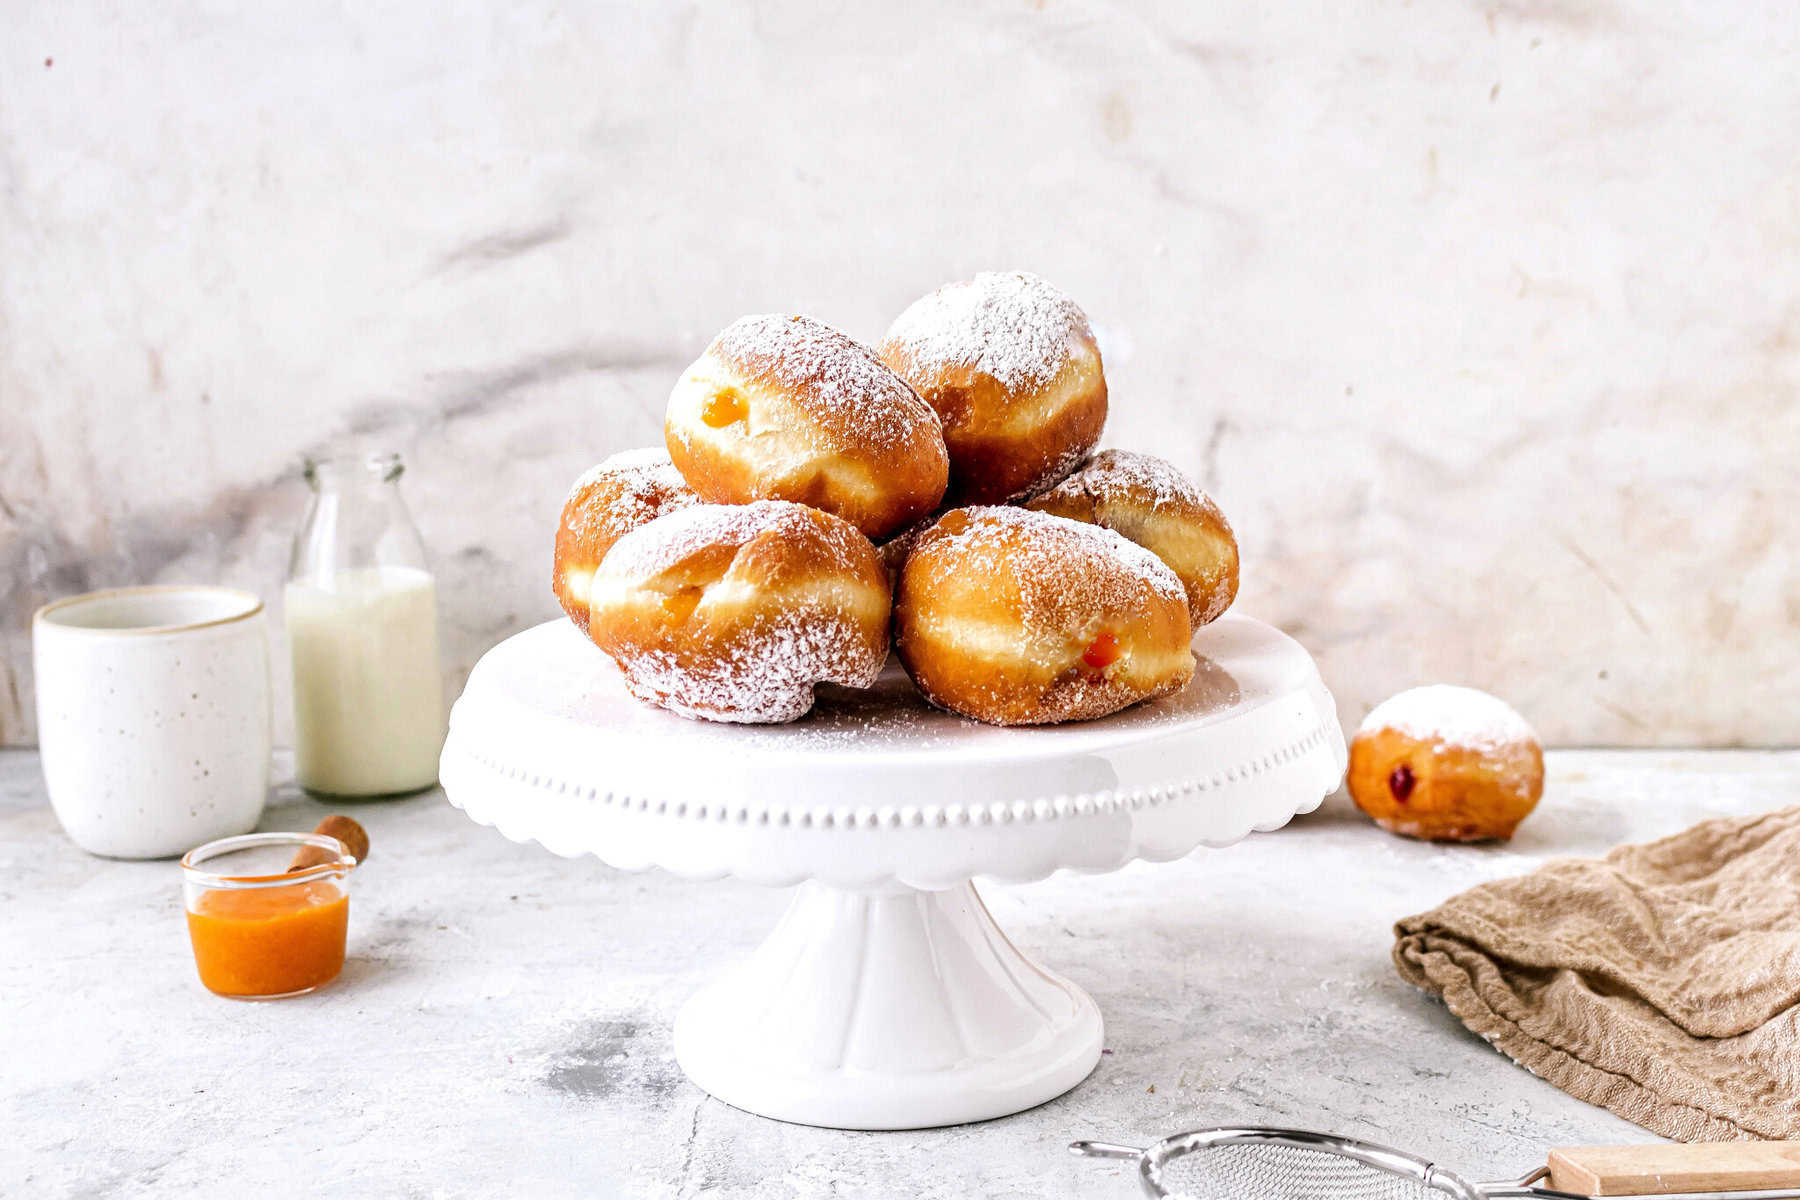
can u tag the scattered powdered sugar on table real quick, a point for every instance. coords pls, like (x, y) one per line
(841, 382)
(1451, 715)
(1010, 325)
(889, 714)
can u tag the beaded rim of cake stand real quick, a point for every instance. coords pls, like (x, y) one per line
(910, 816)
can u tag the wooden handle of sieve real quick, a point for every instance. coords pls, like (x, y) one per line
(352, 835)
(1674, 1167)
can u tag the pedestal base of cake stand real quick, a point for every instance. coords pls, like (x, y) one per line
(887, 998)
(896, 1009)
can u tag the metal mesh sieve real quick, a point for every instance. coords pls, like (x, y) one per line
(1296, 1164)
(1277, 1171)
(1284, 1164)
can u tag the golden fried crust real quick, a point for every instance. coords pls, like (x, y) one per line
(787, 408)
(1021, 618)
(734, 613)
(1013, 370)
(1442, 791)
(1004, 445)
(1150, 502)
(606, 503)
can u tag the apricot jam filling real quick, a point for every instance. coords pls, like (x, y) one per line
(681, 603)
(1101, 653)
(724, 407)
(271, 941)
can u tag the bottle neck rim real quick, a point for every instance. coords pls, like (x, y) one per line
(377, 467)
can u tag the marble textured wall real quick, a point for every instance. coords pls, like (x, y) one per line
(1482, 320)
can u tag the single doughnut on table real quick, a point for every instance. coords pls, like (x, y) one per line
(887, 997)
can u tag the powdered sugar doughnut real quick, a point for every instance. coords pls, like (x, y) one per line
(787, 408)
(609, 501)
(1020, 618)
(1153, 504)
(1446, 763)
(1012, 368)
(734, 613)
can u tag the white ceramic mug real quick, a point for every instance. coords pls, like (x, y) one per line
(153, 716)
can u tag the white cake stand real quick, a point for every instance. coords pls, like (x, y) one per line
(887, 997)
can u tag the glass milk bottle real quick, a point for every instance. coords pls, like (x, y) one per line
(362, 630)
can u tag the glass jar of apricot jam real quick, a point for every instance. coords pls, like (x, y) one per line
(261, 931)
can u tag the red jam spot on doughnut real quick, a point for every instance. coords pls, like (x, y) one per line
(1401, 782)
(723, 408)
(1102, 652)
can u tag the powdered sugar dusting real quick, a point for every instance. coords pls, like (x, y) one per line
(1113, 473)
(1065, 566)
(652, 550)
(1066, 464)
(643, 477)
(1450, 715)
(763, 668)
(1010, 325)
(764, 677)
(645, 458)
(644, 484)
(843, 385)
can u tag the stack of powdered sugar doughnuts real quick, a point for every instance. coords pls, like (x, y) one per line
(819, 501)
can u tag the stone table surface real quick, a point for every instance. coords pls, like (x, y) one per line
(503, 1025)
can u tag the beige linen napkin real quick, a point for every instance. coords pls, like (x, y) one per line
(1661, 982)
